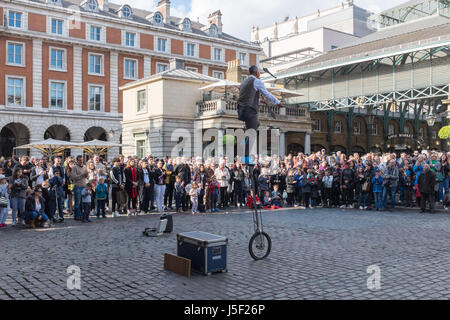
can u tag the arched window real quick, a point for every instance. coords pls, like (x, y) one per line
(186, 25)
(92, 5)
(213, 30)
(158, 18)
(126, 12)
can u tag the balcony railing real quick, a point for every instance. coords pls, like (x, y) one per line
(229, 107)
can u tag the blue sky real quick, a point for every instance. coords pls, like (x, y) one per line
(240, 15)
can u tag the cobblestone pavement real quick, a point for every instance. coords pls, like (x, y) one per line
(316, 254)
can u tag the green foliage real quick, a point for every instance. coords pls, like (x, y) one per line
(444, 133)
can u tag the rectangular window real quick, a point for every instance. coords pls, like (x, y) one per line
(243, 58)
(391, 129)
(161, 67)
(406, 129)
(434, 134)
(57, 26)
(57, 95)
(357, 128)
(95, 98)
(142, 101)
(162, 45)
(374, 129)
(192, 69)
(57, 59)
(217, 54)
(129, 39)
(96, 64)
(338, 126)
(130, 69)
(15, 53)
(140, 149)
(190, 50)
(218, 74)
(15, 92)
(95, 33)
(15, 19)
(317, 125)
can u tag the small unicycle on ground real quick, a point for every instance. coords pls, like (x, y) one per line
(260, 243)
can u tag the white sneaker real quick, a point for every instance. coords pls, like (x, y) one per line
(361, 208)
(238, 205)
(343, 207)
(13, 223)
(350, 206)
(445, 208)
(136, 213)
(365, 208)
(130, 214)
(116, 215)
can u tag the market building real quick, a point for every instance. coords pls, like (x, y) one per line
(384, 91)
(65, 61)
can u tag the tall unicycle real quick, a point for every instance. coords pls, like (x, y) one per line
(260, 243)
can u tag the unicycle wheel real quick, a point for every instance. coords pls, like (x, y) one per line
(260, 245)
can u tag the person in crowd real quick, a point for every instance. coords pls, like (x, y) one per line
(377, 183)
(223, 176)
(4, 200)
(291, 184)
(193, 194)
(170, 182)
(101, 194)
(132, 179)
(179, 194)
(19, 188)
(146, 186)
(277, 201)
(56, 196)
(35, 209)
(159, 177)
(214, 189)
(390, 179)
(79, 175)
(427, 181)
(26, 167)
(409, 191)
(86, 202)
(117, 184)
(38, 174)
(68, 185)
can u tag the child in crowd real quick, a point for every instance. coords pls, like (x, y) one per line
(276, 198)
(250, 202)
(267, 201)
(214, 189)
(101, 193)
(306, 190)
(193, 193)
(86, 202)
(56, 196)
(4, 200)
(327, 181)
(377, 183)
(179, 193)
(335, 190)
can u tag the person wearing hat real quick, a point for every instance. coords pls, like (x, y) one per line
(4, 203)
(35, 209)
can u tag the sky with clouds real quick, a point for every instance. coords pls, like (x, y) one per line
(240, 15)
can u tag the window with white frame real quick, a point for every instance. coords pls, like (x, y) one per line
(374, 129)
(57, 59)
(217, 54)
(192, 69)
(162, 44)
(243, 58)
(130, 66)
(15, 53)
(161, 67)
(92, 5)
(141, 149)
(57, 26)
(357, 128)
(57, 95)
(317, 125)
(158, 18)
(95, 64)
(95, 33)
(391, 129)
(190, 49)
(406, 130)
(95, 98)
(338, 126)
(15, 19)
(130, 39)
(142, 101)
(218, 74)
(15, 91)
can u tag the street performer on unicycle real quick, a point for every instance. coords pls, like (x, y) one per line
(248, 105)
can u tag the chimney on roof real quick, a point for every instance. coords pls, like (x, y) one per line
(234, 71)
(164, 8)
(216, 18)
(103, 5)
(176, 64)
